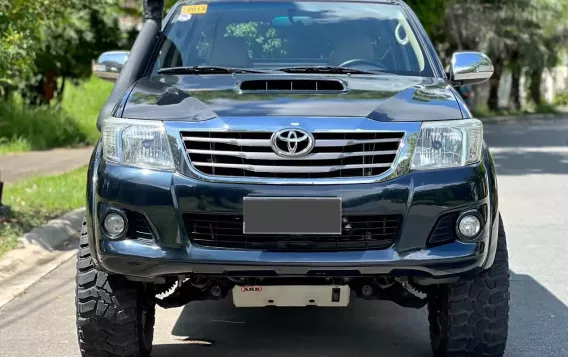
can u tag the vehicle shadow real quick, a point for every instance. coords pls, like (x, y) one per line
(365, 328)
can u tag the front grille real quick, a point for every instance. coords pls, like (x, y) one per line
(138, 226)
(335, 155)
(358, 233)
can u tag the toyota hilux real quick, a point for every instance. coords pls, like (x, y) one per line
(290, 154)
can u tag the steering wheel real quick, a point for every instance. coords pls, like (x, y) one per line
(358, 61)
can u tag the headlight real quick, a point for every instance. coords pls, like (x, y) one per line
(140, 143)
(448, 144)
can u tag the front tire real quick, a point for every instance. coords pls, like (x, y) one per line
(470, 318)
(115, 317)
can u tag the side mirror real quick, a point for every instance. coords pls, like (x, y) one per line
(470, 68)
(109, 65)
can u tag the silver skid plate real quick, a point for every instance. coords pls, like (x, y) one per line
(291, 295)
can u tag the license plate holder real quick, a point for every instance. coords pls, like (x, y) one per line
(291, 295)
(292, 215)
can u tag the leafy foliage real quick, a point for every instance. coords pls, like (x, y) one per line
(138, 11)
(429, 13)
(24, 128)
(561, 99)
(260, 36)
(32, 124)
(20, 32)
(522, 35)
(169, 4)
(42, 40)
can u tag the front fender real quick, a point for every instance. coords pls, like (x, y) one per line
(91, 218)
(494, 204)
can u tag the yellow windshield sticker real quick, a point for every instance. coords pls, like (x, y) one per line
(193, 9)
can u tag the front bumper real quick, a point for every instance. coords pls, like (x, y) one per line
(421, 197)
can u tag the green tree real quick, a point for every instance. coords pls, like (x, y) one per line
(540, 47)
(516, 34)
(44, 42)
(169, 4)
(529, 38)
(69, 45)
(20, 32)
(431, 15)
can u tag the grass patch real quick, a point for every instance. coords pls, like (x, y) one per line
(73, 124)
(561, 99)
(37, 128)
(15, 145)
(546, 109)
(37, 200)
(83, 103)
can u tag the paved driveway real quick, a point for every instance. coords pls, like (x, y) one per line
(17, 167)
(533, 166)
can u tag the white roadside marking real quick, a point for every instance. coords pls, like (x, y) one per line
(521, 149)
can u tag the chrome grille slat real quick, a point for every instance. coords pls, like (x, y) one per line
(347, 142)
(266, 142)
(335, 154)
(290, 169)
(237, 142)
(274, 156)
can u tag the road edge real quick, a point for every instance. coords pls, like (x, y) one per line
(38, 253)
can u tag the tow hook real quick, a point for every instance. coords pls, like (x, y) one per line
(400, 292)
(189, 291)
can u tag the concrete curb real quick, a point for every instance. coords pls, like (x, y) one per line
(527, 117)
(39, 252)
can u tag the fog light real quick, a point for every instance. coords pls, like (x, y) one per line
(114, 224)
(469, 226)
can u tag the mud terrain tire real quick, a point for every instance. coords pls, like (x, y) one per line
(115, 317)
(470, 318)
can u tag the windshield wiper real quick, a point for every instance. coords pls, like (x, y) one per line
(231, 70)
(206, 70)
(324, 69)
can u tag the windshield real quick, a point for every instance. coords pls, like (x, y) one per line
(369, 37)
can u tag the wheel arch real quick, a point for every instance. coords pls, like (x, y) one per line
(90, 212)
(494, 214)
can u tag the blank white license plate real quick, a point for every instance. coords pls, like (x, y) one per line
(291, 295)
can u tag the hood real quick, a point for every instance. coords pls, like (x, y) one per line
(202, 97)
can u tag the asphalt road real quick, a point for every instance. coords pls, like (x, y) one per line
(533, 166)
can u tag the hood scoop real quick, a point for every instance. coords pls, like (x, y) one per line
(296, 85)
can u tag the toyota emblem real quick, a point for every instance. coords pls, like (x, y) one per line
(292, 142)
